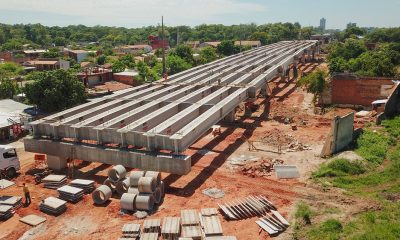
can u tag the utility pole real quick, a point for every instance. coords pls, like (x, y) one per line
(177, 35)
(163, 46)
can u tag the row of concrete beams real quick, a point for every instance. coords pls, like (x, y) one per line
(95, 110)
(174, 121)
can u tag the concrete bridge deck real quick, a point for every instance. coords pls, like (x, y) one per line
(162, 115)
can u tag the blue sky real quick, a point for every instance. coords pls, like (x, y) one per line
(137, 13)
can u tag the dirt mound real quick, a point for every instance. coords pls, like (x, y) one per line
(262, 168)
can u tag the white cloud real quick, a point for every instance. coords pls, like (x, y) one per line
(138, 11)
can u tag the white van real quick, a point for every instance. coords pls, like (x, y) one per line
(9, 161)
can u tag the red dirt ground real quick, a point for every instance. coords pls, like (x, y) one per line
(86, 221)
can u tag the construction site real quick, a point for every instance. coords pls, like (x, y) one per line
(223, 150)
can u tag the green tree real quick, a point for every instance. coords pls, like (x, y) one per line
(315, 83)
(8, 88)
(55, 90)
(184, 52)
(51, 53)
(146, 74)
(101, 60)
(9, 70)
(227, 48)
(263, 37)
(118, 66)
(208, 54)
(176, 64)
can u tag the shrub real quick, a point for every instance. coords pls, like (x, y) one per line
(372, 146)
(304, 212)
(340, 167)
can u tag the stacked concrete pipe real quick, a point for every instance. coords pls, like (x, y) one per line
(128, 201)
(102, 194)
(123, 186)
(147, 188)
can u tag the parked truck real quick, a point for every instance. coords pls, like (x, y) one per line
(9, 162)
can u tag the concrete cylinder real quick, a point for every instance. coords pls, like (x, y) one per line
(134, 177)
(133, 190)
(162, 189)
(122, 186)
(157, 195)
(128, 201)
(101, 194)
(147, 185)
(117, 173)
(111, 184)
(144, 202)
(156, 175)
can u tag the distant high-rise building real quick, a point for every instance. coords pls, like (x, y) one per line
(322, 24)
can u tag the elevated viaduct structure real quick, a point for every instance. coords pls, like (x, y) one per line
(136, 126)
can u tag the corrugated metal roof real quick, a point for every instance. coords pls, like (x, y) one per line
(11, 106)
(190, 217)
(212, 225)
(171, 225)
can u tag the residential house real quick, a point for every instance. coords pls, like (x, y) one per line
(209, 44)
(157, 43)
(133, 49)
(127, 77)
(78, 55)
(95, 75)
(47, 64)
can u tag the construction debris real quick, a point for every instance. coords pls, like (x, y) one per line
(70, 194)
(286, 171)
(214, 192)
(261, 168)
(13, 201)
(246, 208)
(221, 238)
(6, 212)
(87, 185)
(53, 206)
(32, 220)
(4, 183)
(54, 181)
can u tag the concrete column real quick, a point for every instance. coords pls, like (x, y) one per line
(295, 74)
(230, 117)
(56, 163)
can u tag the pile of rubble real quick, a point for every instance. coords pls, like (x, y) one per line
(262, 168)
(277, 138)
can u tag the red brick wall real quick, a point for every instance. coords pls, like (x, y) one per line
(126, 79)
(358, 91)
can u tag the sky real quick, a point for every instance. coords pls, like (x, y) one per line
(138, 13)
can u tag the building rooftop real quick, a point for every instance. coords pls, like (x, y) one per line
(127, 73)
(42, 62)
(247, 43)
(34, 51)
(78, 51)
(11, 106)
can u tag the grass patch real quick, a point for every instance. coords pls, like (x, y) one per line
(330, 230)
(392, 127)
(304, 212)
(372, 146)
(340, 167)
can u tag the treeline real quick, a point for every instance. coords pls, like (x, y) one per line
(375, 54)
(13, 37)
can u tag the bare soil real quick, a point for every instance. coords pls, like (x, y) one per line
(83, 220)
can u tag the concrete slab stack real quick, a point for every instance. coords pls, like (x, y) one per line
(14, 201)
(165, 115)
(70, 194)
(149, 236)
(131, 231)
(152, 226)
(87, 185)
(6, 212)
(54, 181)
(190, 221)
(171, 229)
(53, 206)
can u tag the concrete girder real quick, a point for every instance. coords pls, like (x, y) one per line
(172, 163)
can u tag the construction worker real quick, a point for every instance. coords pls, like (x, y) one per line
(27, 195)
